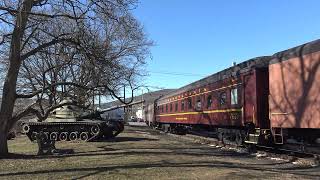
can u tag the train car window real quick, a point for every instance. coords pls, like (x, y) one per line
(189, 103)
(198, 103)
(209, 101)
(162, 108)
(234, 96)
(223, 98)
(182, 105)
(166, 107)
(176, 106)
(171, 107)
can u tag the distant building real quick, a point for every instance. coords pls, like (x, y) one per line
(141, 108)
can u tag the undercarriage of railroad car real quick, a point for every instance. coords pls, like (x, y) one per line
(299, 139)
(225, 134)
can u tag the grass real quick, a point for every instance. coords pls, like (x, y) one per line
(136, 154)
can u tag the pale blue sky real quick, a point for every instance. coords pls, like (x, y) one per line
(197, 38)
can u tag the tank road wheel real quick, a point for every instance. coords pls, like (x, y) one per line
(46, 134)
(43, 136)
(63, 136)
(84, 136)
(34, 136)
(25, 128)
(95, 130)
(73, 136)
(54, 136)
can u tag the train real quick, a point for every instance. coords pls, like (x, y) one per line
(268, 101)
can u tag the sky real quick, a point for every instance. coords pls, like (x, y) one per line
(196, 38)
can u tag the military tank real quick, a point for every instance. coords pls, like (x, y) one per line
(68, 124)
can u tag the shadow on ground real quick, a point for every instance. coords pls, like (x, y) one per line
(106, 150)
(165, 164)
(129, 139)
(195, 152)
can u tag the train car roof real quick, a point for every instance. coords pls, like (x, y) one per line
(262, 61)
(297, 51)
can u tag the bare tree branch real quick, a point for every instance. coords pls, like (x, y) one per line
(45, 45)
(15, 12)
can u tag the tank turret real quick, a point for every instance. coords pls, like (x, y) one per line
(67, 113)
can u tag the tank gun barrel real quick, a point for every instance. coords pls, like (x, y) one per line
(97, 113)
(120, 106)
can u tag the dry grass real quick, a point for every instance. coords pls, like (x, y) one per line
(143, 154)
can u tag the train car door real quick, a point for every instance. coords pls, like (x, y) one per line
(249, 99)
(256, 91)
(262, 76)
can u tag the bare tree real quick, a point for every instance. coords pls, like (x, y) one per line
(69, 46)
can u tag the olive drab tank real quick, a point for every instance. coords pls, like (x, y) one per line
(68, 123)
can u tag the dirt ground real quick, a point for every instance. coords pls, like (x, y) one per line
(142, 153)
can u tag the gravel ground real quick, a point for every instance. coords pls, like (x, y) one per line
(142, 153)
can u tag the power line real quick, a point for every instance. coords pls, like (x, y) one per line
(176, 73)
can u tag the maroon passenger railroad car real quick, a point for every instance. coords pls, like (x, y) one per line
(225, 102)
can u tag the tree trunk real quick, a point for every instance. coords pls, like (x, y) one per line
(3, 143)
(7, 104)
(9, 87)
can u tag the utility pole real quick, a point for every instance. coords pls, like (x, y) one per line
(124, 107)
(93, 99)
(142, 111)
(99, 99)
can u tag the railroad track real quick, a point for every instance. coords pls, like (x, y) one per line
(273, 152)
(288, 151)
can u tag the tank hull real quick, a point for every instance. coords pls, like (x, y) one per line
(74, 131)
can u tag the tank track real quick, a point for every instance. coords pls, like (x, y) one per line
(72, 131)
